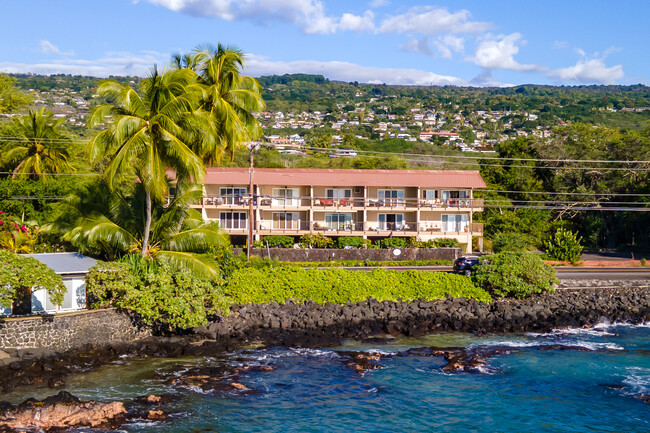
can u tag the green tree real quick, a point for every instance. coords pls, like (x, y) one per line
(40, 148)
(150, 134)
(564, 246)
(101, 221)
(229, 98)
(19, 275)
(11, 98)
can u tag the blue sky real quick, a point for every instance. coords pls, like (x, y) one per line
(468, 42)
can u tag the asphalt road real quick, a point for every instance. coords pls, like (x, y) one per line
(563, 272)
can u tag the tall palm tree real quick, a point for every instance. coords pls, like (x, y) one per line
(41, 148)
(102, 221)
(229, 98)
(149, 134)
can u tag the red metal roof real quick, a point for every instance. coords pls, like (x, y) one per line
(341, 177)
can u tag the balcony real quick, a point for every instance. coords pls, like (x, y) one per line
(327, 203)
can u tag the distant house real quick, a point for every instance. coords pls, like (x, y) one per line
(72, 267)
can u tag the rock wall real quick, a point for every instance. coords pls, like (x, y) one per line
(61, 332)
(310, 323)
(325, 254)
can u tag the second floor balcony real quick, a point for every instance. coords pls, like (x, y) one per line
(317, 203)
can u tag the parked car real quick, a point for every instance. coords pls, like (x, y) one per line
(466, 265)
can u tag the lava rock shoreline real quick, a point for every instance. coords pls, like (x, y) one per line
(315, 325)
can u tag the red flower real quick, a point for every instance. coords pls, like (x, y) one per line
(1, 212)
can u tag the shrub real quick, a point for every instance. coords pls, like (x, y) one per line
(564, 246)
(393, 243)
(20, 275)
(352, 241)
(446, 243)
(509, 241)
(157, 293)
(315, 240)
(433, 243)
(278, 241)
(518, 275)
(340, 286)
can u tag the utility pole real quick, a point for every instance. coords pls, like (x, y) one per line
(251, 197)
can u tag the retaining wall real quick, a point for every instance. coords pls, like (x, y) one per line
(61, 332)
(326, 254)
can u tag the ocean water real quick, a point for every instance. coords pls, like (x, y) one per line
(571, 380)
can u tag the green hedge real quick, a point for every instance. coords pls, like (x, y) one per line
(357, 263)
(249, 285)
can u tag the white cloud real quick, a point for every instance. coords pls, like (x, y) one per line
(345, 71)
(421, 46)
(449, 44)
(356, 22)
(47, 47)
(309, 15)
(138, 64)
(378, 3)
(429, 20)
(559, 45)
(499, 53)
(589, 71)
(445, 45)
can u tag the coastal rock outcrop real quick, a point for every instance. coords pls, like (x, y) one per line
(61, 411)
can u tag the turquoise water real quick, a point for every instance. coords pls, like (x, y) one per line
(312, 390)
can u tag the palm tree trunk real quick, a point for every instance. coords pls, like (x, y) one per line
(147, 224)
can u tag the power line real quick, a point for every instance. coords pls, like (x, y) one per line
(566, 193)
(585, 208)
(423, 159)
(415, 155)
(50, 174)
(493, 157)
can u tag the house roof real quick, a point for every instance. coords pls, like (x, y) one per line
(341, 177)
(65, 263)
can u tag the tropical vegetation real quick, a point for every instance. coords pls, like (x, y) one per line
(514, 274)
(20, 275)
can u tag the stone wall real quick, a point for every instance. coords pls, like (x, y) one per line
(310, 324)
(323, 254)
(68, 331)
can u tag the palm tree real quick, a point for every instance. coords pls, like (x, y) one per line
(229, 98)
(102, 221)
(150, 135)
(40, 149)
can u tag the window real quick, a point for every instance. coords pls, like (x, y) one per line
(286, 220)
(338, 221)
(391, 221)
(286, 196)
(430, 194)
(455, 198)
(391, 197)
(339, 196)
(232, 195)
(454, 223)
(232, 220)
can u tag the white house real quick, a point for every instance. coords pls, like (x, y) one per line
(72, 267)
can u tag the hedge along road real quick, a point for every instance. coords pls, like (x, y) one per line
(563, 272)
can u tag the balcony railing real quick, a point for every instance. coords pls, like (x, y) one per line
(371, 227)
(348, 202)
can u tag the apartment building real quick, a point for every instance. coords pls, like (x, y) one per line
(426, 204)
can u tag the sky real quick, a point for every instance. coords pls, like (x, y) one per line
(463, 42)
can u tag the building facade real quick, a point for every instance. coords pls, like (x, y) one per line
(425, 204)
